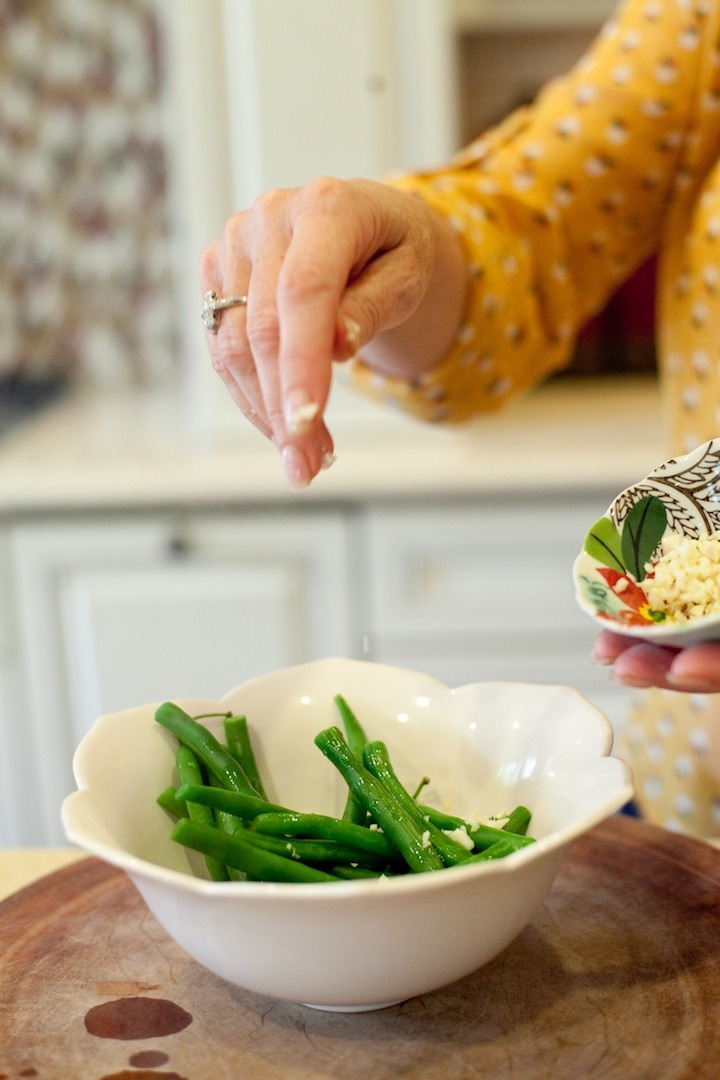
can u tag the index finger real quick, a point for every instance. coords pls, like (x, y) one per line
(315, 272)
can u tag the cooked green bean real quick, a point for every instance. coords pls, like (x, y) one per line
(351, 873)
(483, 835)
(377, 760)
(518, 821)
(229, 824)
(441, 819)
(216, 758)
(395, 822)
(232, 802)
(354, 731)
(223, 812)
(190, 773)
(323, 827)
(225, 821)
(499, 849)
(243, 854)
(317, 851)
(240, 746)
(169, 801)
(355, 735)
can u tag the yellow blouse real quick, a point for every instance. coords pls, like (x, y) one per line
(560, 203)
(556, 207)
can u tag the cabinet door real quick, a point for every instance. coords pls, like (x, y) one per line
(117, 613)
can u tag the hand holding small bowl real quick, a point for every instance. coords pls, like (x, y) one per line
(614, 585)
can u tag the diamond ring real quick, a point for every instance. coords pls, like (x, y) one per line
(214, 304)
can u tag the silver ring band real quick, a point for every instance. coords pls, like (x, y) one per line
(213, 304)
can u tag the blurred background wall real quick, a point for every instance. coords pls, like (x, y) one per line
(85, 267)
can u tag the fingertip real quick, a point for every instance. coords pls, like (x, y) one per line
(696, 669)
(296, 466)
(348, 338)
(643, 665)
(607, 647)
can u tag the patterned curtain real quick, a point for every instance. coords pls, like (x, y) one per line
(85, 272)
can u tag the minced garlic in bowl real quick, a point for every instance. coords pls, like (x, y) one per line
(684, 582)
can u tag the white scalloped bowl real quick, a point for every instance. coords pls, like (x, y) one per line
(357, 944)
(689, 489)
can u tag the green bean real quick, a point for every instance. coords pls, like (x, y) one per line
(395, 822)
(169, 801)
(377, 760)
(190, 773)
(225, 821)
(322, 827)
(482, 835)
(241, 748)
(350, 873)
(315, 850)
(238, 803)
(213, 755)
(518, 821)
(441, 819)
(223, 812)
(485, 836)
(355, 735)
(229, 823)
(354, 731)
(241, 853)
(216, 758)
(499, 849)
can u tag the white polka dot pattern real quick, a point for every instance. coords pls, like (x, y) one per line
(672, 744)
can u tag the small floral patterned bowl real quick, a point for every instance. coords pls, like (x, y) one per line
(681, 496)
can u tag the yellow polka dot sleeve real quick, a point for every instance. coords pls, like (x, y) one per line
(558, 205)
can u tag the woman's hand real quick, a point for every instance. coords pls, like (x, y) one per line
(695, 669)
(327, 268)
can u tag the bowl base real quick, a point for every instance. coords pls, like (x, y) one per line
(354, 1008)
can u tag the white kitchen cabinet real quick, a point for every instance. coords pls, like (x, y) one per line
(112, 612)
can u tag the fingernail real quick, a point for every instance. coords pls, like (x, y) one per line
(598, 658)
(328, 460)
(295, 465)
(300, 411)
(631, 681)
(352, 334)
(690, 685)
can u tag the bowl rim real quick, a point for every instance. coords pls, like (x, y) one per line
(620, 793)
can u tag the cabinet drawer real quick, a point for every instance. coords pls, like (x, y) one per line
(449, 568)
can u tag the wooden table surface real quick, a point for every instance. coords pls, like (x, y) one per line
(617, 978)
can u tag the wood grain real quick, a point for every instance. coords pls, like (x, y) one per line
(618, 977)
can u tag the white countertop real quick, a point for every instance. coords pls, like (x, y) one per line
(94, 451)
